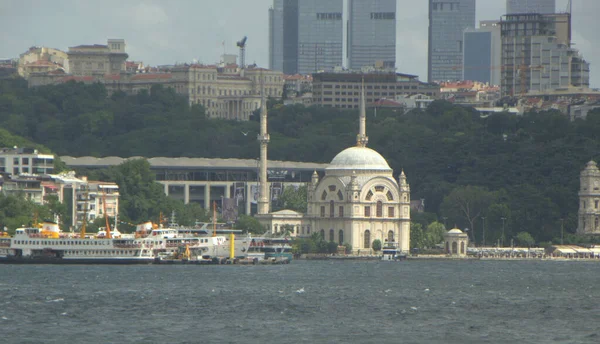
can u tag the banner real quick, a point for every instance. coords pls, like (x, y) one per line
(229, 210)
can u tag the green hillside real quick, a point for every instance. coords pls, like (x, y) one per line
(523, 168)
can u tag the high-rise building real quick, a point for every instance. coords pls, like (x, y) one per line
(447, 22)
(539, 58)
(482, 53)
(372, 33)
(530, 6)
(305, 36)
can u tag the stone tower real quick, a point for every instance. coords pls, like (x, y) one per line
(589, 200)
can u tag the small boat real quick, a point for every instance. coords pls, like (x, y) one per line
(391, 252)
(271, 248)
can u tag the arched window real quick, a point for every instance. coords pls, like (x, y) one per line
(454, 247)
(391, 236)
(462, 247)
(341, 237)
(367, 239)
(331, 235)
(323, 234)
(379, 209)
(323, 195)
(331, 209)
(596, 223)
(447, 247)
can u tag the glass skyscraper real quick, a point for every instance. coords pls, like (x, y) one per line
(305, 36)
(372, 33)
(530, 6)
(447, 22)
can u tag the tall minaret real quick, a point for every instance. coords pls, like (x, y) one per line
(361, 138)
(263, 138)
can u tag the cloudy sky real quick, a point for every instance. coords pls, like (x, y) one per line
(168, 31)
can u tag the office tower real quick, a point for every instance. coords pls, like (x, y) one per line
(305, 36)
(447, 22)
(372, 33)
(530, 6)
(482, 53)
(541, 58)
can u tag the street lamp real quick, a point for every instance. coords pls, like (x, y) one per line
(503, 219)
(562, 231)
(483, 234)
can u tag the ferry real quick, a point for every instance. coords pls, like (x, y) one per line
(270, 248)
(48, 245)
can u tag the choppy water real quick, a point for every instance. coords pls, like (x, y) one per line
(304, 302)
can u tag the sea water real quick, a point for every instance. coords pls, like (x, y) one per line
(303, 302)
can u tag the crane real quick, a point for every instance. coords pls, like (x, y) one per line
(242, 45)
(108, 235)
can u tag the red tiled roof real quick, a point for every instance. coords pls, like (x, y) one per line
(112, 77)
(163, 76)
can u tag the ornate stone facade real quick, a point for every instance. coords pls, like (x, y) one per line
(589, 200)
(356, 202)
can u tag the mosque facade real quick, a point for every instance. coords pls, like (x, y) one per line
(356, 201)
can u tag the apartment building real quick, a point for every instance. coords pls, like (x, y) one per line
(342, 90)
(42, 60)
(17, 160)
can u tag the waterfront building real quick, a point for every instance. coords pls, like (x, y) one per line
(19, 160)
(94, 199)
(305, 36)
(447, 22)
(98, 59)
(589, 200)
(539, 58)
(342, 90)
(356, 201)
(482, 53)
(456, 243)
(372, 33)
(530, 6)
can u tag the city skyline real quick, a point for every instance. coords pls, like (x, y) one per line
(162, 32)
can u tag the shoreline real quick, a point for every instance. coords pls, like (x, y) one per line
(443, 257)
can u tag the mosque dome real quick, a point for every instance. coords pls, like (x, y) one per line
(455, 231)
(359, 158)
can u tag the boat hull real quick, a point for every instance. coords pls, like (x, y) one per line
(89, 261)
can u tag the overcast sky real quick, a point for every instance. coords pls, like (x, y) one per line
(168, 31)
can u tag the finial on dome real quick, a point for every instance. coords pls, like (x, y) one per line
(361, 138)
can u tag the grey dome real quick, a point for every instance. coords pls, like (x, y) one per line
(359, 158)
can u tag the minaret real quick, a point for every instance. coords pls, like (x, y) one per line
(263, 138)
(361, 138)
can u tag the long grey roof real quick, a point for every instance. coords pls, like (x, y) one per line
(191, 163)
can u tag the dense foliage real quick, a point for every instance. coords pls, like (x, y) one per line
(523, 169)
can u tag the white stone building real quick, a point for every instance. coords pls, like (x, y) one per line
(589, 200)
(356, 202)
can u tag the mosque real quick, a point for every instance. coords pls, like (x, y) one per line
(356, 201)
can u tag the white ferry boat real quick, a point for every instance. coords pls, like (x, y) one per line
(48, 245)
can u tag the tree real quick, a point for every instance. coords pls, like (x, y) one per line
(525, 239)
(293, 199)
(467, 203)
(434, 234)
(250, 224)
(376, 245)
(417, 236)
